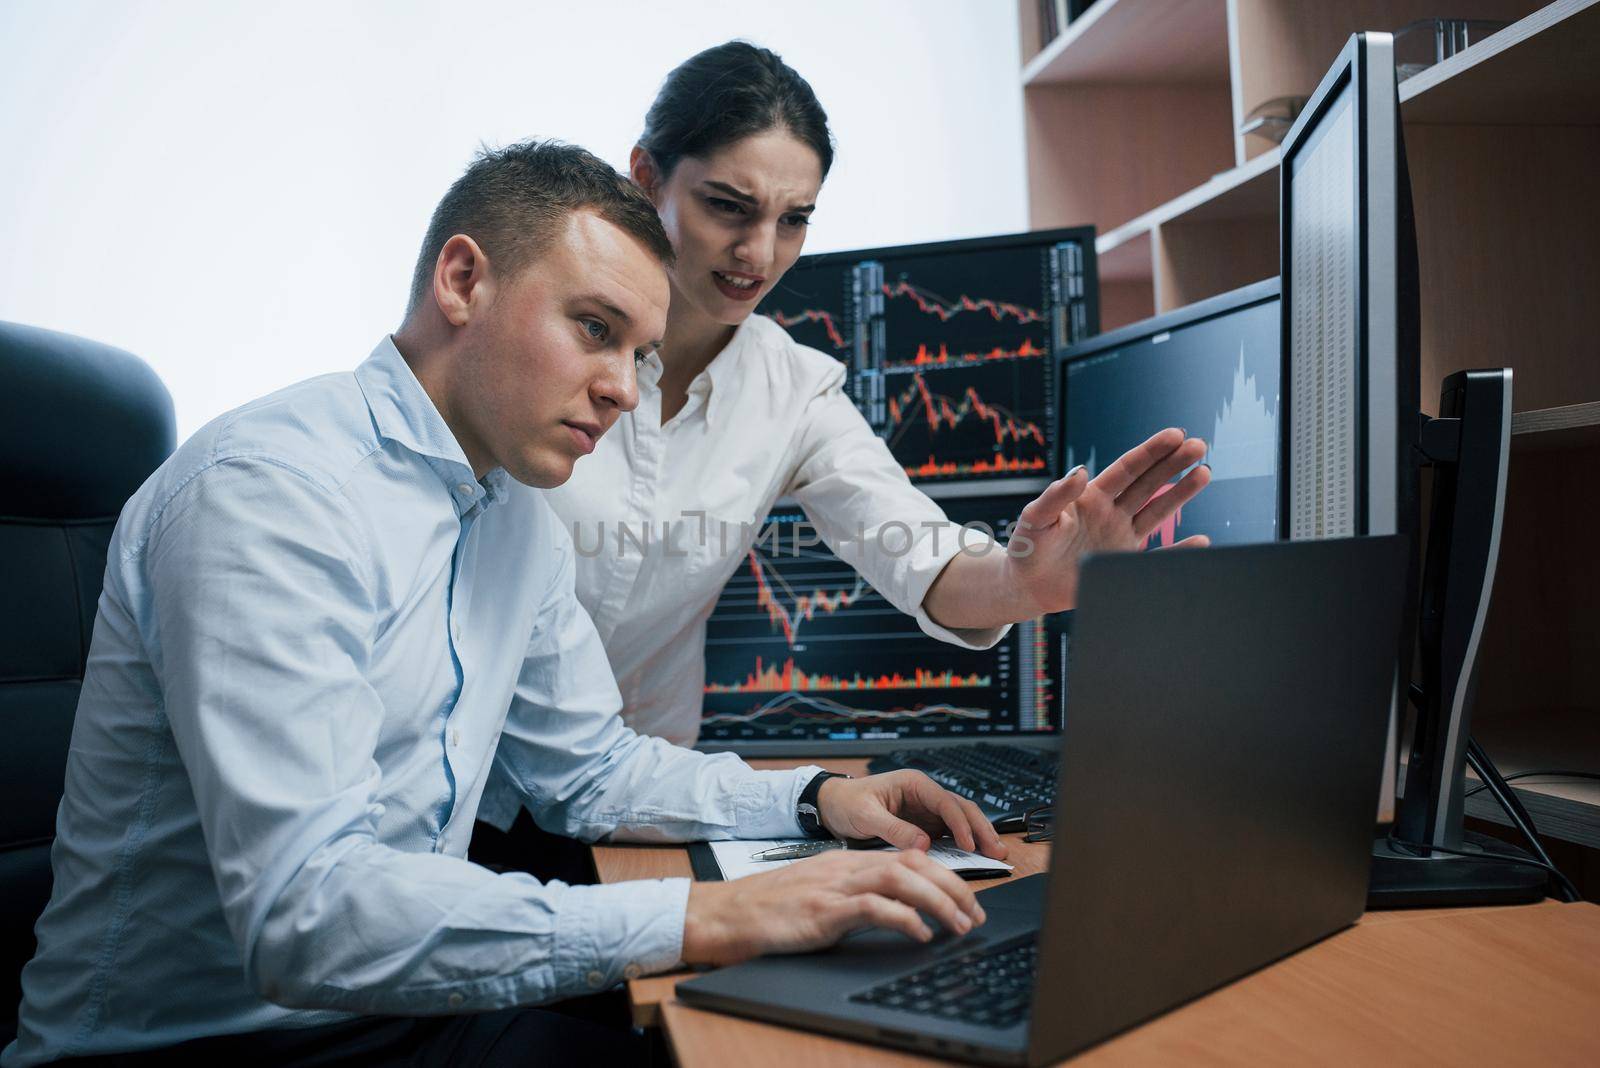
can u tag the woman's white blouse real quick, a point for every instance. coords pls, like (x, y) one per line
(661, 516)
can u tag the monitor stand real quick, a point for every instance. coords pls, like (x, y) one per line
(1402, 878)
(1469, 448)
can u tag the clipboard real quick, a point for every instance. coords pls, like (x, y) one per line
(703, 863)
(705, 867)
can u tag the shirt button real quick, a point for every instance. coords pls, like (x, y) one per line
(632, 971)
(454, 1001)
(455, 738)
(468, 488)
(596, 979)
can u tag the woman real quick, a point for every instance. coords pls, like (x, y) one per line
(733, 414)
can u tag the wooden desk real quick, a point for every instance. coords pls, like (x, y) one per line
(1507, 986)
(1466, 986)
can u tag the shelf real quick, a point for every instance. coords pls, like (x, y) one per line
(1127, 292)
(1152, 144)
(1126, 261)
(1572, 426)
(1148, 42)
(1529, 74)
(1131, 117)
(1566, 739)
(1247, 192)
(1549, 65)
(1282, 48)
(1542, 54)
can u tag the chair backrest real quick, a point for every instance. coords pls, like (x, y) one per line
(82, 425)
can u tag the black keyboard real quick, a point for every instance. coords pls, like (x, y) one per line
(1005, 780)
(989, 987)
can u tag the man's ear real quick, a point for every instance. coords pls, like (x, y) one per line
(460, 279)
(644, 172)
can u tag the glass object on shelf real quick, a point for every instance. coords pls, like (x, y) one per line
(1052, 17)
(1419, 45)
(1272, 118)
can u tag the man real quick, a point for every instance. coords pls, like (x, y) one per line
(330, 617)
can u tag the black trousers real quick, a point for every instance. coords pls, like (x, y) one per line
(530, 848)
(488, 1040)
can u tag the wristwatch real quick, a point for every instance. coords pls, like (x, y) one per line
(806, 810)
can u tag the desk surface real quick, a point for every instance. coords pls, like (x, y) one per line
(1464, 986)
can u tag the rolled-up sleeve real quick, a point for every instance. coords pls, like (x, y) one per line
(866, 509)
(263, 603)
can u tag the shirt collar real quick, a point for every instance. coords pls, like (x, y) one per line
(717, 380)
(403, 413)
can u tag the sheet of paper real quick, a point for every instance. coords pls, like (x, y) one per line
(734, 858)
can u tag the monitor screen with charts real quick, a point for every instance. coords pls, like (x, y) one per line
(803, 656)
(949, 344)
(1211, 368)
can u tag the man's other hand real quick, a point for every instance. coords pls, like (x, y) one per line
(906, 809)
(814, 903)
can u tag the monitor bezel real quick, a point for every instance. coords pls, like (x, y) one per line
(1388, 328)
(1386, 498)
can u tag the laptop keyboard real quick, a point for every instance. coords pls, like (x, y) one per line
(989, 987)
(1000, 778)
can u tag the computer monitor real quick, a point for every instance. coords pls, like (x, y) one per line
(803, 657)
(1350, 374)
(1350, 307)
(1352, 444)
(1211, 368)
(949, 345)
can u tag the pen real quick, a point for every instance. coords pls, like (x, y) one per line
(798, 850)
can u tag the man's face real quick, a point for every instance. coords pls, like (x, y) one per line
(550, 363)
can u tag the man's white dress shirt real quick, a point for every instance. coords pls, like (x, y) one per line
(319, 636)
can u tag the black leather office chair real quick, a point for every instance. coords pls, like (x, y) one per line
(82, 425)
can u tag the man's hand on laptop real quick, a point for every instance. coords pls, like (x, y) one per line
(814, 903)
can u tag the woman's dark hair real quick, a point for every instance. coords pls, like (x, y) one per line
(725, 94)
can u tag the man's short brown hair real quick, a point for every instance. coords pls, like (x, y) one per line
(512, 202)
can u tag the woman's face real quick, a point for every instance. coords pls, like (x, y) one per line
(737, 220)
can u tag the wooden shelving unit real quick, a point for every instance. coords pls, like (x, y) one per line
(1132, 116)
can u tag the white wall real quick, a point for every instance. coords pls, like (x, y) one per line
(236, 191)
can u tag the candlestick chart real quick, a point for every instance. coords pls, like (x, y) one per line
(1218, 379)
(800, 646)
(983, 301)
(949, 346)
(987, 421)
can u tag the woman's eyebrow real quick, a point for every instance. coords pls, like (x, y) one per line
(728, 190)
(745, 198)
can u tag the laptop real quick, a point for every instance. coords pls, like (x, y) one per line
(1218, 775)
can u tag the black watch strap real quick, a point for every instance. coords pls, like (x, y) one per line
(806, 810)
